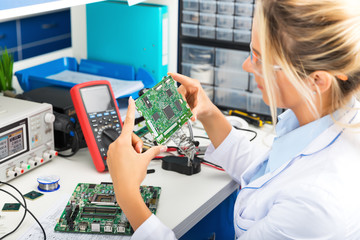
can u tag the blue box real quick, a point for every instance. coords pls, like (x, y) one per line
(136, 35)
(36, 77)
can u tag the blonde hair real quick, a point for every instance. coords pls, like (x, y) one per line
(304, 36)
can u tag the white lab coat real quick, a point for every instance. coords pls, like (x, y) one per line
(315, 195)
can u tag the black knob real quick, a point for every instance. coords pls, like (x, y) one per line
(108, 136)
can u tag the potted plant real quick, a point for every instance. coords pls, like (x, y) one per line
(6, 70)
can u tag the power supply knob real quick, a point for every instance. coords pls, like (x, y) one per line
(32, 163)
(47, 156)
(53, 153)
(49, 118)
(38, 160)
(11, 173)
(25, 166)
(19, 170)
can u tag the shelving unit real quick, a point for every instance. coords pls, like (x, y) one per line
(11, 9)
(214, 38)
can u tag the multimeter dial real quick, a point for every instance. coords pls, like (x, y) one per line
(106, 128)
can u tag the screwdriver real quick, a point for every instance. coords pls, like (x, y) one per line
(256, 121)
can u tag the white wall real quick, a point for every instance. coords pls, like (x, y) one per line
(78, 29)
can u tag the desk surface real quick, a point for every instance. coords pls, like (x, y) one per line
(184, 200)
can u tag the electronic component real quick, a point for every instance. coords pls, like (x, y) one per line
(108, 227)
(83, 226)
(164, 109)
(33, 195)
(95, 226)
(92, 208)
(11, 207)
(104, 199)
(178, 105)
(169, 92)
(26, 136)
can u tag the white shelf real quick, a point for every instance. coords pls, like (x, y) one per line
(19, 12)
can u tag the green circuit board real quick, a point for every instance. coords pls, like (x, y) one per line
(92, 208)
(164, 109)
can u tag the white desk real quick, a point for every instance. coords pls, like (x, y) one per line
(184, 200)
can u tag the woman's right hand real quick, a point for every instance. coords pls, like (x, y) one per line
(199, 103)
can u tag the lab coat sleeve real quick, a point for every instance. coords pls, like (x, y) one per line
(153, 229)
(234, 154)
(307, 212)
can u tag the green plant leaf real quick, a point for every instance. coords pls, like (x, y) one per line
(6, 70)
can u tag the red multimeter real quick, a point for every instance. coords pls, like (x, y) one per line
(99, 118)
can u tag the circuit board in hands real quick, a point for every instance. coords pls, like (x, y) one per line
(92, 208)
(164, 109)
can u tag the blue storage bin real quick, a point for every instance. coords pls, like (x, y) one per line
(45, 26)
(36, 77)
(8, 34)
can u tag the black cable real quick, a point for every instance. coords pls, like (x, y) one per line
(213, 164)
(22, 220)
(77, 146)
(247, 130)
(26, 210)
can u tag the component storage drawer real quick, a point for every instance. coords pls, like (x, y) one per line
(231, 98)
(202, 72)
(207, 32)
(243, 23)
(207, 6)
(224, 21)
(256, 104)
(244, 9)
(230, 58)
(244, 1)
(198, 54)
(226, 8)
(208, 19)
(242, 36)
(45, 26)
(190, 17)
(224, 34)
(192, 5)
(8, 35)
(189, 30)
(230, 78)
(45, 48)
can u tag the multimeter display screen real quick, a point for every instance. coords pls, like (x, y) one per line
(97, 99)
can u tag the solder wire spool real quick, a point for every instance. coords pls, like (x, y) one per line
(48, 183)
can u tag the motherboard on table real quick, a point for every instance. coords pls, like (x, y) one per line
(92, 208)
(164, 109)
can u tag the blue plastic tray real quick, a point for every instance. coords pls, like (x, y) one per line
(36, 77)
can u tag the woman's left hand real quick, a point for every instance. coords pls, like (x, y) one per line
(128, 166)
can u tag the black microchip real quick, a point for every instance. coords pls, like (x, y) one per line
(147, 102)
(11, 207)
(169, 92)
(92, 186)
(168, 112)
(178, 106)
(33, 195)
(156, 116)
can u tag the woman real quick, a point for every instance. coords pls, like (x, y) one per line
(305, 56)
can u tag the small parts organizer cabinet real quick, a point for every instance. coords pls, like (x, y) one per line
(32, 36)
